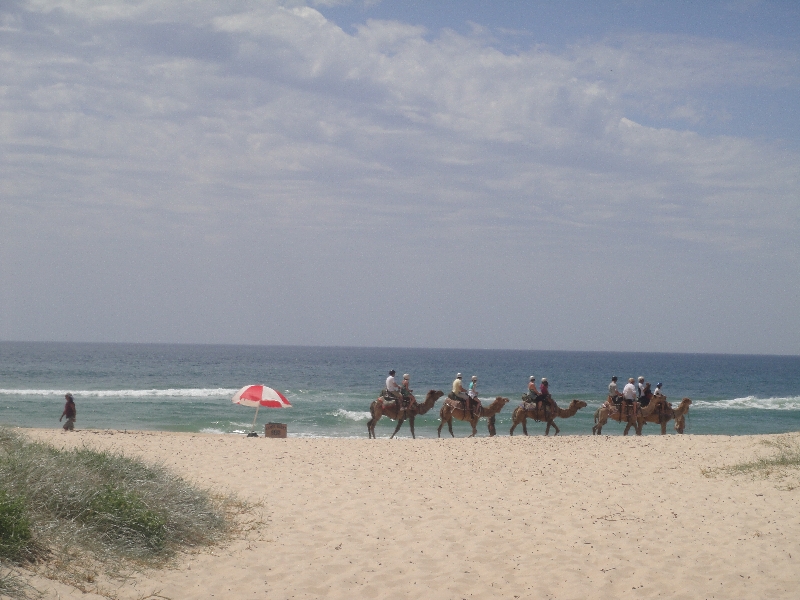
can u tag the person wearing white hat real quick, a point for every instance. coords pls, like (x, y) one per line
(459, 393)
(409, 400)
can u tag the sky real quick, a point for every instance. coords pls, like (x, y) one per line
(515, 174)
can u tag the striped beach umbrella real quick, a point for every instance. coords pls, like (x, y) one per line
(258, 396)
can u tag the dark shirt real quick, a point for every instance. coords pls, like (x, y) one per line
(69, 410)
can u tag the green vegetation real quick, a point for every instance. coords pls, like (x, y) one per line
(780, 464)
(63, 511)
(15, 527)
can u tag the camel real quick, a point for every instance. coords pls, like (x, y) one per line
(381, 407)
(450, 410)
(679, 414)
(521, 414)
(643, 415)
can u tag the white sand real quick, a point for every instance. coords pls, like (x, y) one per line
(535, 517)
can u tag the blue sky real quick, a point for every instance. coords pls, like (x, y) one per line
(594, 176)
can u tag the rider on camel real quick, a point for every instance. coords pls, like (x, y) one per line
(629, 397)
(544, 396)
(613, 392)
(473, 394)
(393, 390)
(405, 392)
(460, 394)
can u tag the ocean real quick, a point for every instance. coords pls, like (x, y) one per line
(189, 387)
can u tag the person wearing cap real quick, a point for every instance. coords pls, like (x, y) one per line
(393, 390)
(408, 398)
(70, 411)
(658, 391)
(629, 394)
(533, 391)
(613, 392)
(473, 393)
(459, 393)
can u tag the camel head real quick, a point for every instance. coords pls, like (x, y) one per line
(498, 404)
(434, 394)
(683, 407)
(577, 404)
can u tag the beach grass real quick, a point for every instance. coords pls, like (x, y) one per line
(73, 515)
(785, 458)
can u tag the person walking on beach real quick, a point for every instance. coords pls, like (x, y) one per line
(70, 411)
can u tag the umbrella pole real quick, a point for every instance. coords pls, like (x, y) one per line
(254, 418)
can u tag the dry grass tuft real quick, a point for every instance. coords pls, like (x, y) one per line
(781, 464)
(79, 515)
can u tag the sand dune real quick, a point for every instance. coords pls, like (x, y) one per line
(535, 517)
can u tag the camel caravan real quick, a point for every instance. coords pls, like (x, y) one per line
(635, 406)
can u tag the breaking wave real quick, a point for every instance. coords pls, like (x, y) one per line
(353, 415)
(751, 402)
(152, 393)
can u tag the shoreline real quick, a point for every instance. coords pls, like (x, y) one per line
(533, 517)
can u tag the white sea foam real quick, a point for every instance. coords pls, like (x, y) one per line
(751, 402)
(152, 393)
(353, 415)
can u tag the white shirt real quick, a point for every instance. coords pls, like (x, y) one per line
(391, 384)
(629, 392)
(658, 391)
(612, 389)
(641, 388)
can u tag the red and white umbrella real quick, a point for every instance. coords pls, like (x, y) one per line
(258, 396)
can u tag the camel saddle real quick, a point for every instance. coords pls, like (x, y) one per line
(458, 403)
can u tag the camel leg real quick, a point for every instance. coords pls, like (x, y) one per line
(513, 427)
(664, 428)
(411, 426)
(450, 427)
(627, 428)
(442, 419)
(371, 426)
(553, 423)
(525, 425)
(474, 425)
(399, 423)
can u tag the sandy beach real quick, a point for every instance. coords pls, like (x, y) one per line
(534, 517)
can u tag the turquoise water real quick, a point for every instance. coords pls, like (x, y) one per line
(188, 387)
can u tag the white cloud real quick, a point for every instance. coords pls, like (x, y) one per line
(161, 119)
